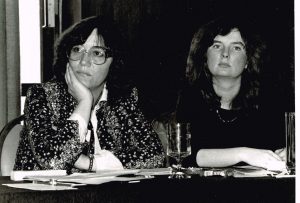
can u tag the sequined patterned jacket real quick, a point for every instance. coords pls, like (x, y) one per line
(50, 141)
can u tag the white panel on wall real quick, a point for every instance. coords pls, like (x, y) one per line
(30, 40)
(30, 43)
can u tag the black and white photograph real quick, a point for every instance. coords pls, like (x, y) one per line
(148, 101)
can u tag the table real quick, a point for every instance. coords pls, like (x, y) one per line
(162, 189)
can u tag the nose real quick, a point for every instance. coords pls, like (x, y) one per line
(225, 52)
(85, 59)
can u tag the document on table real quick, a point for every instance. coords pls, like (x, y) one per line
(20, 175)
(252, 171)
(40, 186)
(58, 180)
(238, 172)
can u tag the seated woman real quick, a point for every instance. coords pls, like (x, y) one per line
(230, 122)
(87, 117)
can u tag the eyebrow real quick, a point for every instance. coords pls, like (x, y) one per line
(237, 42)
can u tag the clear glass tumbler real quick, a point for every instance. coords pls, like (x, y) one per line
(290, 142)
(179, 146)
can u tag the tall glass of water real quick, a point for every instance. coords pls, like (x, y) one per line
(179, 146)
(290, 142)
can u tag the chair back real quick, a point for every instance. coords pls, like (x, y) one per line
(9, 141)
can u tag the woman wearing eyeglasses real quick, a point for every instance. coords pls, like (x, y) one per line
(87, 117)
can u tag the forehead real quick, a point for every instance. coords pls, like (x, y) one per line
(233, 36)
(94, 39)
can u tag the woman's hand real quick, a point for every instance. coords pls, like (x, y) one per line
(281, 153)
(75, 87)
(106, 160)
(84, 98)
(262, 158)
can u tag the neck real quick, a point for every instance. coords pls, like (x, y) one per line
(227, 89)
(97, 92)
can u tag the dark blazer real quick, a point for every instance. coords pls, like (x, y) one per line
(50, 141)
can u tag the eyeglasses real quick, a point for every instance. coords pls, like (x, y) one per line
(98, 54)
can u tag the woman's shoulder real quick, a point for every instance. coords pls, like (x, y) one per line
(134, 94)
(52, 86)
(52, 94)
(130, 95)
(128, 101)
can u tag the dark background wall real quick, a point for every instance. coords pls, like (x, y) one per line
(160, 31)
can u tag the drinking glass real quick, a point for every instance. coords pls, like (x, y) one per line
(290, 142)
(179, 146)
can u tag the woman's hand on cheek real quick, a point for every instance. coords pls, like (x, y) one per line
(75, 87)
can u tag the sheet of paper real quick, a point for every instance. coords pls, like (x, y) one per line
(19, 175)
(97, 178)
(39, 187)
(251, 171)
(61, 174)
(101, 180)
(155, 171)
(103, 176)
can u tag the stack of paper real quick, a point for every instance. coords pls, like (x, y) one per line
(252, 171)
(20, 175)
(58, 179)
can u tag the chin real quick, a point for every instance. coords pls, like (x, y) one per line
(223, 74)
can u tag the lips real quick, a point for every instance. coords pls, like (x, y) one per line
(83, 73)
(224, 65)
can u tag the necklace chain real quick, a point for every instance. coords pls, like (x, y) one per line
(223, 120)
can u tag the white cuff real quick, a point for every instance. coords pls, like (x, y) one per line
(107, 161)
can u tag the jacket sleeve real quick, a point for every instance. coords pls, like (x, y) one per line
(53, 139)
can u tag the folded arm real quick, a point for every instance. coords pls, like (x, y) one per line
(230, 156)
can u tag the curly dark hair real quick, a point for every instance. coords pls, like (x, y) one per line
(199, 76)
(118, 82)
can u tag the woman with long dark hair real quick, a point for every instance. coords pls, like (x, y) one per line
(222, 100)
(87, 117)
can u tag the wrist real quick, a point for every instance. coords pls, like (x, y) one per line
(86, 101)
(95, 164)
(91, 163)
